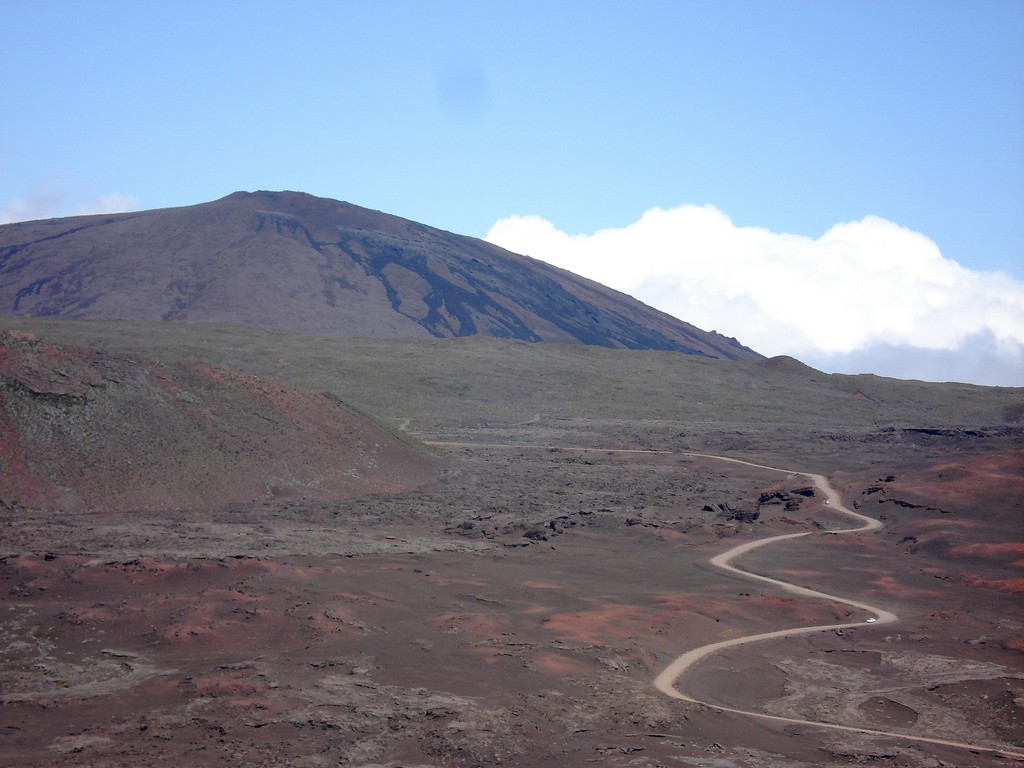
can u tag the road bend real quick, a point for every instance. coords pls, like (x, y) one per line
(668, 682)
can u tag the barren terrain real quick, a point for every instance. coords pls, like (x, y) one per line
(318, 266)
(517, 610)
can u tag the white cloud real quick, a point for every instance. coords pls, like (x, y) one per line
(115, 202)
(51, 198)
(979, 361)
(863, 285)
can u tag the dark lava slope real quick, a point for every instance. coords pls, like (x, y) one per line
(292, 261)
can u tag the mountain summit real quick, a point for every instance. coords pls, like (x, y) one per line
(292, 261)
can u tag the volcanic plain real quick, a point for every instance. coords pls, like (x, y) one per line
(512, 600)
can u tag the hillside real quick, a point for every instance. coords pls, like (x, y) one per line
(516, 609)
(440, 385)
(83, 430)
(295, 262)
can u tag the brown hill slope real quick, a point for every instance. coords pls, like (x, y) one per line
(292, 261)
(84, 430)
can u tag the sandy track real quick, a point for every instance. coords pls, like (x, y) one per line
(580, 448)
(668, 680)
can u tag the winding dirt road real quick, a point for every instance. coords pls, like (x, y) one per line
(667, 682)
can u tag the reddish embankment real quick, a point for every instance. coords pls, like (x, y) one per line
(84, 430)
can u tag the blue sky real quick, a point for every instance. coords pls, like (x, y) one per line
(785, 117)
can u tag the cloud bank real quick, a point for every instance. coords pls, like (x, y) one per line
(866, 296)
(51, 199)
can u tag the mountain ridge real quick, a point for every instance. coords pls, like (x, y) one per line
(297, 262)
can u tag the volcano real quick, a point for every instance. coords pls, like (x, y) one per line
(292, 261)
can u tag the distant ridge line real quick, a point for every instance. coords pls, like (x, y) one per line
(295, 262)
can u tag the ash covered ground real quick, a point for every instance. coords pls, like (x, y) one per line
(515, 611)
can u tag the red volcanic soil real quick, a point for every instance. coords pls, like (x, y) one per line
(974, 480)
(966, 509)
(514, 612)
(83, 430)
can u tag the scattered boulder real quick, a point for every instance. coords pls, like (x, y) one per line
(737, 515)
(790, 499)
